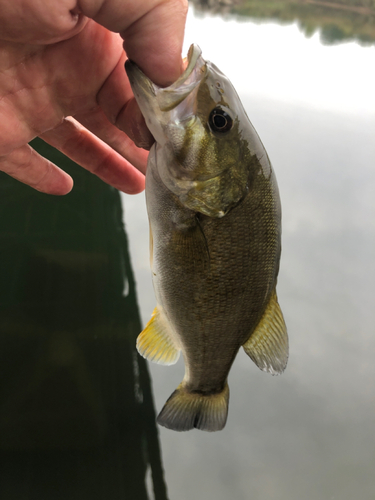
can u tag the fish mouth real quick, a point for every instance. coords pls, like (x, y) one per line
(156, 102)
(172, 96)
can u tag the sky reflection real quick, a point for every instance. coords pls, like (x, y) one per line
(280, 62)
(309, 433)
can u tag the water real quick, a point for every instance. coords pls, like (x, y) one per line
(311, 432)
(76, 407)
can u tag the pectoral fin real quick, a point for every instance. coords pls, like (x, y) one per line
(268, 344)
(156, 343)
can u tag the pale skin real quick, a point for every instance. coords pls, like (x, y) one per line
(62, 78)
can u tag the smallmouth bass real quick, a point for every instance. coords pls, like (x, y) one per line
(215, 241)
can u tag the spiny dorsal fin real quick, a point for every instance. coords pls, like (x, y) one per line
(155, 342)
(268, 345)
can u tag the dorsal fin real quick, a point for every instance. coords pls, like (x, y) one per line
(268, 345)
(156, 343)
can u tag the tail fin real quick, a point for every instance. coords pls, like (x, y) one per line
(185, 410)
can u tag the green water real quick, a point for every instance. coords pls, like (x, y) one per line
(76, 409)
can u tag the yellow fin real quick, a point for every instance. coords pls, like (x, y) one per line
(155, 342)
(268, 346)
(185, 410)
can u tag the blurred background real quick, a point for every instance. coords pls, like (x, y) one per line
(305, 72)
(77, 404)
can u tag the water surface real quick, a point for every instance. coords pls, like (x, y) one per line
(77, 413)
(309, 433)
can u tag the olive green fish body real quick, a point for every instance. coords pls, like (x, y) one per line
(213, 277)
(215, 231)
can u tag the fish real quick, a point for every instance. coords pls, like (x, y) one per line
(215, 240)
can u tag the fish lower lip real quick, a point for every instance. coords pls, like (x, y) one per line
(170, 97)
(193, 55)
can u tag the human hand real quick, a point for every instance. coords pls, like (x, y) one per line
(62, 78)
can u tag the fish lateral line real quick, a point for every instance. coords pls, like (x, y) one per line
(198, 218)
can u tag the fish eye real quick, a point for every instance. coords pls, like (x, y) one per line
(219, 120)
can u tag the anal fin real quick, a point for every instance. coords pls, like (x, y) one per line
(155, 342)
(268, 345)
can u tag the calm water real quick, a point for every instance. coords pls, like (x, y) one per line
(309, 434)
(76, 404)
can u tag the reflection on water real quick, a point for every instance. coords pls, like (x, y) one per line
(337, 20)
(76, 412)
(308, 434)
